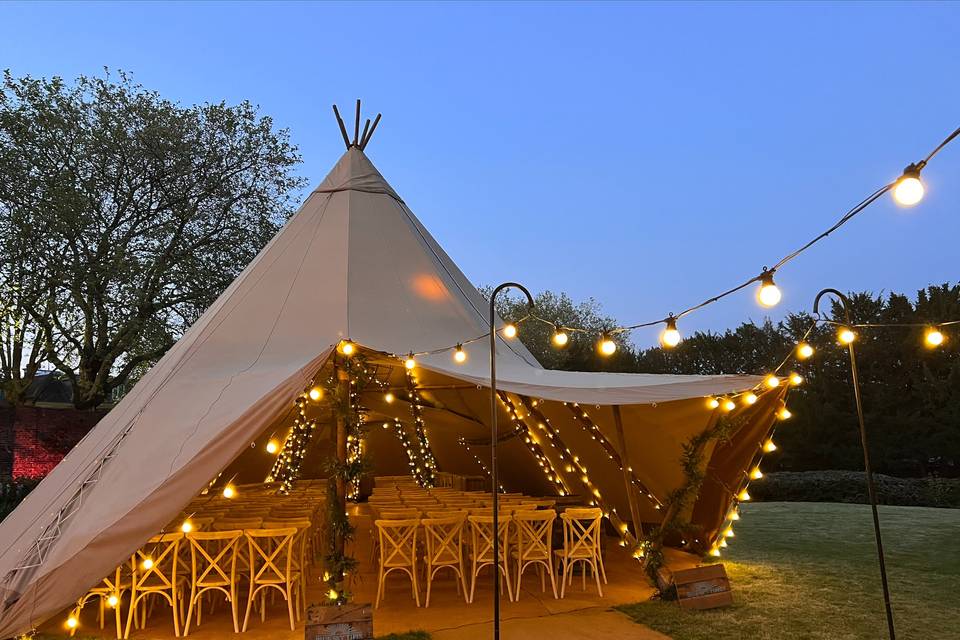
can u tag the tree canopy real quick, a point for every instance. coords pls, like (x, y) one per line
(123, 215)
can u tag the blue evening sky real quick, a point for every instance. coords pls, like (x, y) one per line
(648, 155)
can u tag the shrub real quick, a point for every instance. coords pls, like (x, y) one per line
(851, 487)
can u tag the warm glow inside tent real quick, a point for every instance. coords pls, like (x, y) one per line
(354, 263)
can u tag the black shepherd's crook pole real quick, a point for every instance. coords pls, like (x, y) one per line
(871, 488)
(494, 478)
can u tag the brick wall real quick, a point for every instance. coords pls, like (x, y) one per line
(34, 439)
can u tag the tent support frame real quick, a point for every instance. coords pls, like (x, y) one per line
(627, 471)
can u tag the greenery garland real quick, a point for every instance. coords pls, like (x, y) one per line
(680, 499)
(339, 531)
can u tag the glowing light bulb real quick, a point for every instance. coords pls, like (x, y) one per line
(388, 397)
(606, 346)
(804, 350)
(347, 348)
(560, 337)
(772, 381)
(728, 405)
(315, 393)
(72, 622)
(670, 337)
(735, 515)
(186, 527)
(509, 330)
(744, 495)
(712, 403)
(784, 413)
(728, 532)
(273, 446)
(768, 295)
(796, 379)
(909, 189)
(229, 491)
(459, 355)
(147, 564)
(410, 363)
(756, 474)
(750, 398)
(332, 594)
(769, 446)
(846, 335)
(715, 552)
(113, 601)
(933, 337)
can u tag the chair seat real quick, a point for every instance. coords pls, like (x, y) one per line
(562, 553)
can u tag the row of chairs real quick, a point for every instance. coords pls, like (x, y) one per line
(525, 541)
(260, 538)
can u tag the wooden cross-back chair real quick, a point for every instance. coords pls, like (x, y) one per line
(444, 548)
(398, 552)
(154, 573)
(271, 555)
(109, 594)
(301, 546)
(481, 548)
(213, 568)
(534, 546)
(581, 543)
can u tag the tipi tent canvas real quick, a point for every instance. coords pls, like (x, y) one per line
(355, 264)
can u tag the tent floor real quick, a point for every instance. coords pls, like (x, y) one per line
(535, 615)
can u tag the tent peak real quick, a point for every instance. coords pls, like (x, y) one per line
(359, 140)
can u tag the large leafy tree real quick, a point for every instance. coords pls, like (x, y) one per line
(132, 212)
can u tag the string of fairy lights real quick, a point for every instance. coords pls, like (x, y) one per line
(907, 191)
(427, 461)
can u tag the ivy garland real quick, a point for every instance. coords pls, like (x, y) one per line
(339, 531)
(680, 499)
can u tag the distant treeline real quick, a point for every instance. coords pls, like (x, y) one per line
(911, 394)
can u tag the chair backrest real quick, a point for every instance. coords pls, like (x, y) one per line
(230, 524)
(534, 534)
(399, 514)
(154, 566)
(213, 556)
(481, 535)
(444, 535)
(398, 541)
(445, 512)
(581, 531)
(271, 554)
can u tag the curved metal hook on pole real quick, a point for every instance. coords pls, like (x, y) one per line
(494, 476)
(871, 488)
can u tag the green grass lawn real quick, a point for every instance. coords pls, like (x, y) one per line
(809, 571)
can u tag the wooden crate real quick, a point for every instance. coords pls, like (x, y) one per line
(703, 587)
(344, 622)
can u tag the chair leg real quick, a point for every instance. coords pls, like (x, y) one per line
(131, 612)
(429, 579)
(473, 582)
(553, 580)
(246, 615)
(596, 576)
(416, 590)
(175, 605)
(290, 604)
(117, 616)
(519, 578)
(603, 571)
(233, 606)
(186, 622)
(379, 588)
(563, 578)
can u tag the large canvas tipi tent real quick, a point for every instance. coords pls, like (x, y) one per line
(353, 263)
